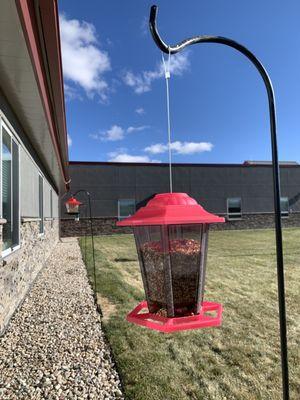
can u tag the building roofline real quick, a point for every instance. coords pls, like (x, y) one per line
(237, 165)
(55, 113)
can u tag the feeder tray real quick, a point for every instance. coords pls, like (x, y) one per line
(210, 315)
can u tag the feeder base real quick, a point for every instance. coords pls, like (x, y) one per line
(210, 315)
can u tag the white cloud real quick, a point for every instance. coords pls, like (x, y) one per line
(95, 136)
(121, 155)
(191, 147)
(140, 111)
(118, 151)
(138, 82)
(157, 148)
(116, 132)
(144, 26)
(180, 147)
(141, 83)
(83, 62)
(137, 128)
(69, 140)
(112, 134)
(130, 158)
(71, 93)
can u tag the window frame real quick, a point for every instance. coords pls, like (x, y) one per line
(14, 139)
(41, 206)
(121, 217)
(233, 216)
(285, 214)
(51, 207)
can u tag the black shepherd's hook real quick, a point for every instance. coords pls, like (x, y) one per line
(92, 235)
(276, 179)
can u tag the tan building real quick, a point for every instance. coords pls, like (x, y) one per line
(33, 153)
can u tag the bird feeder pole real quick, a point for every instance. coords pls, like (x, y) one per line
(275, 165)
(72, 206)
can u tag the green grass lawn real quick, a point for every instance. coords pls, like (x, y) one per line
(241, 359)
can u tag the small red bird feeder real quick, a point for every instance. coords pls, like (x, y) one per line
(72, 205)
(171, 235)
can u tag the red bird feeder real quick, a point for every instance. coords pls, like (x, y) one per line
(171, 235)
(72, 205)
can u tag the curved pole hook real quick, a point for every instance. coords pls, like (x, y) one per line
(276, 175)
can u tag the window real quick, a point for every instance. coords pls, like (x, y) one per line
(234, 208)
(41, 204)
(126, 207)
(10, 191)
(284, 205)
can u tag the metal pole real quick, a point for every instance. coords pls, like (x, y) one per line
(85, 246)
(92, 234)
(93, 247)
(85, 214)
(276, 175)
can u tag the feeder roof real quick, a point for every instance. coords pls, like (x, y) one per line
(73, 201)
(171, 209)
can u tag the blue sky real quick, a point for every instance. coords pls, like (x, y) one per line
(115, 91)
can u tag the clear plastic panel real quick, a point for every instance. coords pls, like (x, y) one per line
(185, 251)
(173, 267)
(151, 257)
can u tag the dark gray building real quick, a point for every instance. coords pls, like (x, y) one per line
(241, 192)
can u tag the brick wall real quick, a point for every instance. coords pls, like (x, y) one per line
(259, 221)
(101, 226)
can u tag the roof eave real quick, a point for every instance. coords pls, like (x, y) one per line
(51, 92)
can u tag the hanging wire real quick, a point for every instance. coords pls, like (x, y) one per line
(167, 77)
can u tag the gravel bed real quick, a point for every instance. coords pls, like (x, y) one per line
(54, 347)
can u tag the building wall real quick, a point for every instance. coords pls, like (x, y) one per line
(19, 269)
(210, 185)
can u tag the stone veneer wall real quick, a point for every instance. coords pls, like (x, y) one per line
(259, 221)
(19, 270)
(107, 226)
(101, 226)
